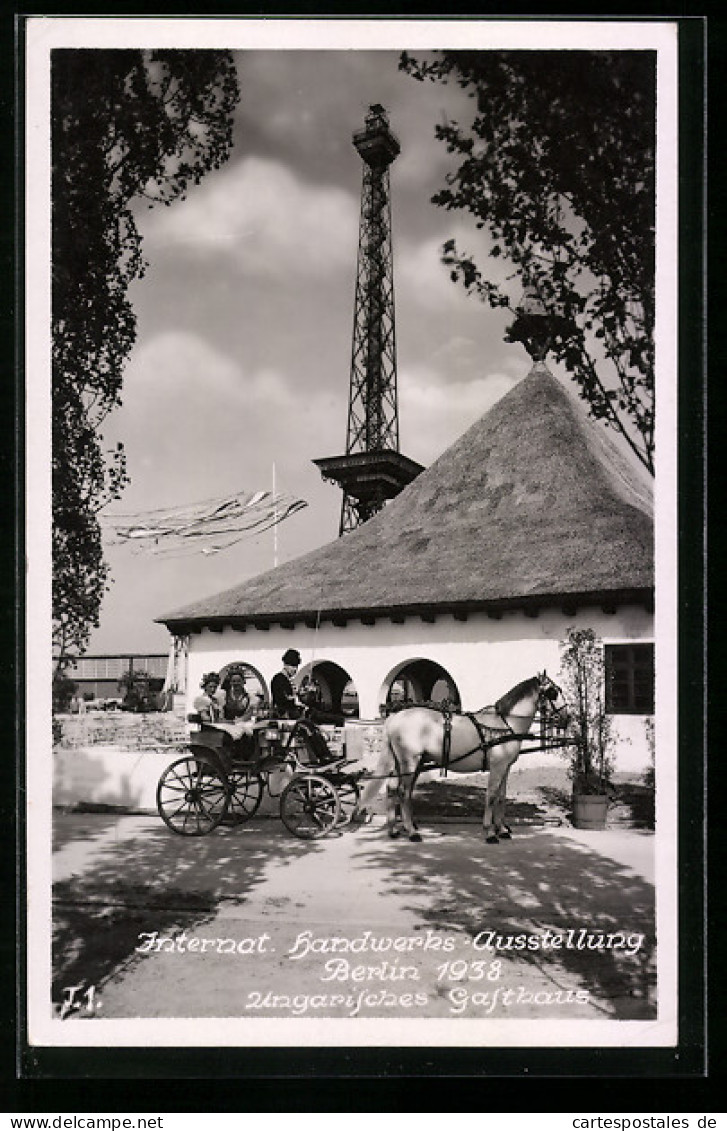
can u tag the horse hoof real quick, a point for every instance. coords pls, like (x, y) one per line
(394, 833)
(506, 835)
(492, 840)
(415, 836)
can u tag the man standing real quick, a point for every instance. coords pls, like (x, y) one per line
(285, 702)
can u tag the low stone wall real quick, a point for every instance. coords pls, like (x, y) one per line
(120, 728)
(116, 760)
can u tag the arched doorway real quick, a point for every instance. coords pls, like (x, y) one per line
(255, 685)
(337, 692)
(418, 681)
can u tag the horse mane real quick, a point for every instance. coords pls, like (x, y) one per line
(504, 705)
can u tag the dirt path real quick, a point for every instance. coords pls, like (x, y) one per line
(250, 922)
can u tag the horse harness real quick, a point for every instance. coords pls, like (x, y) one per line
(488, 737)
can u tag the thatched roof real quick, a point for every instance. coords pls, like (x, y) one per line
(533, 505)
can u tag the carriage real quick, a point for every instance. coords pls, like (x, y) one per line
(222, 780)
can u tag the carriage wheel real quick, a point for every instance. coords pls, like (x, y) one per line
(348, 795)
(309, 807)
(246, 793)
(192, 798)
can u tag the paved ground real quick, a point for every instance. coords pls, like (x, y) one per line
(251, 922)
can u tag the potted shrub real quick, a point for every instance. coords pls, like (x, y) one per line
(583, 682)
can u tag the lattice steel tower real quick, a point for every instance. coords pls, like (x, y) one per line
(373, 470)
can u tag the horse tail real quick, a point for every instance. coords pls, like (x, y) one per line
(386, 767)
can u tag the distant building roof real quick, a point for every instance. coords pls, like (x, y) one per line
(535, 503)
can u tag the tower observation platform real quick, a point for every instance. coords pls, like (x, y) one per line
(373, 470)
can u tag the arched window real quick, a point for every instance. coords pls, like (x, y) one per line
(419, 681)
(332, 686)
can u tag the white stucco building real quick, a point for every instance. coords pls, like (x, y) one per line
(532, 522)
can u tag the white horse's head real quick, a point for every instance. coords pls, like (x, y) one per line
(552, 701)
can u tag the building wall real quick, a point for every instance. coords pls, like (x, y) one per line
(484, 656)
(98, 676)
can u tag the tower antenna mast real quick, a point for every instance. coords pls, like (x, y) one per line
(373, 470)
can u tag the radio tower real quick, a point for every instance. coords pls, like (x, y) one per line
(372, 470)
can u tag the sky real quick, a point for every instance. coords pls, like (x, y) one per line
(239, 377)
(241, 367)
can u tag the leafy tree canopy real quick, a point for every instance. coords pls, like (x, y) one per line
(127, 126)
(558, 164)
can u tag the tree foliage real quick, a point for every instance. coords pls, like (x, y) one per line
(64, 690)
(558, 164)
(128, 126)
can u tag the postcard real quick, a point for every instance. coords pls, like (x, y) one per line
(351, 401)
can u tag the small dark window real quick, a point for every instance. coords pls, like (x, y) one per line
(629, 679)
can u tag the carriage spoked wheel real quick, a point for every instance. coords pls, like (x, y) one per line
(348, 795)
(192, 798)
(245, 794)
(309, 806)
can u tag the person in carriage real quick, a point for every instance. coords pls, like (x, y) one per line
(238, 704)
(286, 704)
(238, 710)
(227, 707)
(210, 704)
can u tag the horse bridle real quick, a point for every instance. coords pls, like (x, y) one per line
(547, 695)
(548, 692)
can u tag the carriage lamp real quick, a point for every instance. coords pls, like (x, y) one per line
(536, 325)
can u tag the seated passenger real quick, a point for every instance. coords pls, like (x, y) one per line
(237, 700)
(212, 708)
(210, 704)
(238, 712)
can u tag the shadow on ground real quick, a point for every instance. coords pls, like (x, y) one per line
(541, 880)
(153, 880)
(633, 805)
(112, 887)
(457, 802)
(530, 803)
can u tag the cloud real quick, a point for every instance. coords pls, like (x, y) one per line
(179, 361)
(418, 267)
(435, 411)
(461, 358)
(193, 418)
(418, 270)
(457, 354)
(264, 219)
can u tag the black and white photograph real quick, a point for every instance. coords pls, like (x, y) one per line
(351, 398)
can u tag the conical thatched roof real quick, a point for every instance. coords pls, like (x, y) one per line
(533, 505)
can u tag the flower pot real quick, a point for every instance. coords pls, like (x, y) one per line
(589, 810)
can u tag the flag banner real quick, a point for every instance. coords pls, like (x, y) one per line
(206, 527)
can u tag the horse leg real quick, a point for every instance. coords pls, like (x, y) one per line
(406, 788)
(489, 822)
(502, 830)
(393, 810)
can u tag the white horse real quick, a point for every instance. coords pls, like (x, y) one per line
(419, 738)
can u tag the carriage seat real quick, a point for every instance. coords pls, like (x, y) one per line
(208, 734)
(196, 719)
